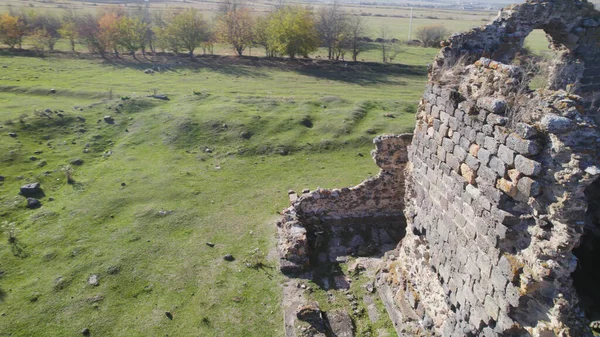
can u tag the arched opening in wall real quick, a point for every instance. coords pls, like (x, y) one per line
(586, 277)
(536, 59)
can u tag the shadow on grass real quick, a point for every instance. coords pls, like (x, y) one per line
(2, 295)
(361, 73)
(264, 268)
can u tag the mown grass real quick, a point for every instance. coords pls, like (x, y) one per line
(149, 195)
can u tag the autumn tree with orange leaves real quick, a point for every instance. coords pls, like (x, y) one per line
(12, 30)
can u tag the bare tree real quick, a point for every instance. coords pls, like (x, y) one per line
(357, 30)
(390, 48)
(332, 26)
(431, 36)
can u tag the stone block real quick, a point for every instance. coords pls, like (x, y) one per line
(453, 123)
(529, 187)
(526, 147)
(498, 280)
(444, 117)
(471, 134)
(487, 174)
(452, 162)
(488, 130)
(472, 162)
(527, 166)
(497, 165)
(491, 308)
(460, 153)
(514, 175)
(501, 133)
(483, 155)
(456, 137)
(469, 174)
(507, 186)
(480, 138)
(443, 132)
(505, 217)
(512, 295)
(556, 124)
(491, 144)
(526, 131)
(507, 155)
(441, 153)
(448, 145)
(493, 105)
(464, 143)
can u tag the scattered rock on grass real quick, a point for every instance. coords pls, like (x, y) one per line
(30, 189)
(228, 257)
(2, 178)
(93, 280)
(311, 313)
(109, 120)
(13, 134)
(210, 244)
(169, 315)
(33, 203)
(162, 97)
(77, 162)
(85, 332)
(53, 91)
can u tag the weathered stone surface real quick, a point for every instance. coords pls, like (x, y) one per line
(30, 189)
(526, 131)
(340, 323)
(527, 166)
(527, 147)
(556, 124)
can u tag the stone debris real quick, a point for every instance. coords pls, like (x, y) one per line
(33, 203)
(94, 280)
(30, 189)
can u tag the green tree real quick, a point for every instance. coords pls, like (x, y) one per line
(292, 32)
(261, 34)
(68, 30)
(131, 34)
(187, 29)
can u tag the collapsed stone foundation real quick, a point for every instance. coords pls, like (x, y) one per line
(499, 188)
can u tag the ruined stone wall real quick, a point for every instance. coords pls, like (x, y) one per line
(495, 198)
(378, 197)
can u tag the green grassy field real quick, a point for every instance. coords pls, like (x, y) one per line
(148, 196)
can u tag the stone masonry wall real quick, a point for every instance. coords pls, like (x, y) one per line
(495, 182)
(380, 196)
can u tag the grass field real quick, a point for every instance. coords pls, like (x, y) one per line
(149, 196)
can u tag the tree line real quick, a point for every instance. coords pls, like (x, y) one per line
(288, 30)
